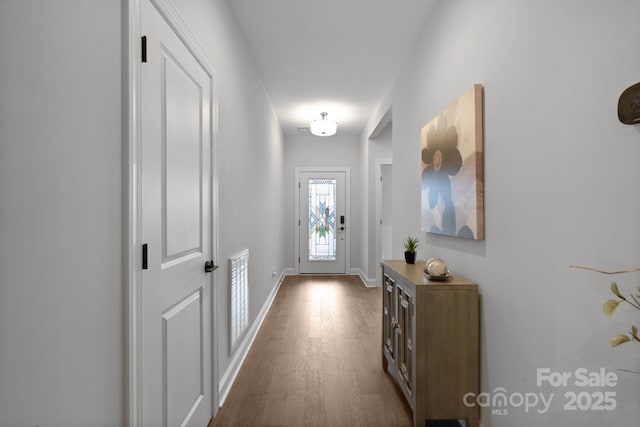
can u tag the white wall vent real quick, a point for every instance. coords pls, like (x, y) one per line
(239, 297)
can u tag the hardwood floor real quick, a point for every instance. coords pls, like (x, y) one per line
(316, 361)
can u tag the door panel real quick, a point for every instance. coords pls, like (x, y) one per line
(183, 329)
(176, 223)
(182, 154)
(323, 222)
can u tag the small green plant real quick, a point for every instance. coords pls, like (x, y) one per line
(411, 244)
(610, 306)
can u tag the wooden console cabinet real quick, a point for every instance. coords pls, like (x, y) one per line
(430, 341)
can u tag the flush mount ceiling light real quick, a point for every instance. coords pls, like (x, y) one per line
(324, 127)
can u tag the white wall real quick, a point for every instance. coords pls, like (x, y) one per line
(561, 186)
(61, 305)
(62, 330)
(251, 156)
(331, 151)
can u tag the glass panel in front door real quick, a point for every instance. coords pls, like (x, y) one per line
(322, 219)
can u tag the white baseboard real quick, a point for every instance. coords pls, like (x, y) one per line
(230, 375)
(289, 272)
(369, 283)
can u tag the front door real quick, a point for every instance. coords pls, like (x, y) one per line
(176, 218)
(323, 222)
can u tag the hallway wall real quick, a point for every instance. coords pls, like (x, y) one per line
(61, 295)
(561, 187)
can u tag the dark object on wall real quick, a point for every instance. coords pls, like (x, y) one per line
(446, 423)
(629, 105)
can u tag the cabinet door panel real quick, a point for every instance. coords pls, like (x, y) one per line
(405, 337)
(388, 315)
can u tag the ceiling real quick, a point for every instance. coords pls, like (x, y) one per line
(338, 56)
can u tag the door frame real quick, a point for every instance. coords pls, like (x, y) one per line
(378, 208)
(131, 200)
(347, 209)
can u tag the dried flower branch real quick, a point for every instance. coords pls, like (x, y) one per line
(605, 272)
(610, 306)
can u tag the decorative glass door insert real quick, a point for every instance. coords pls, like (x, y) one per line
(322, 222)
(322, 219)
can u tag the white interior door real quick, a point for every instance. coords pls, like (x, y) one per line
(323, 222)
(176, 226)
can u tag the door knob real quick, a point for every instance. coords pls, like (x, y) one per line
(209, 266)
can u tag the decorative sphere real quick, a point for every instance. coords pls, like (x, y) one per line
(436, 267)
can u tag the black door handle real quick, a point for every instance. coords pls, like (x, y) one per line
(209, 267)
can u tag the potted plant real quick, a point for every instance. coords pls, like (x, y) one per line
(411, 245)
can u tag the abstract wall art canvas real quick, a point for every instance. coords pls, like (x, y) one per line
(452, 169)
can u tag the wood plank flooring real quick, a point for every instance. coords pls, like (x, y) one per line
(316, 361)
